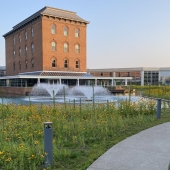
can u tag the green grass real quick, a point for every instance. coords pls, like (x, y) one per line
(81, 133)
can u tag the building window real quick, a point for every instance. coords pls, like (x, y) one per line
(32, 63)
(32, 48)
(14, 66)
(65, 47)
(53, 63)
(77, 32)
(65, 63)
(101, 74)
(32, 32)
(20, 65)
(26, 35)
(14, 40)
(14, 53)
(26, 64)
(19, 38)
(53, 29)
(26, 50)
(65, 31)
(19, 51)
(77, 48)
(77, 64)
(53, 46)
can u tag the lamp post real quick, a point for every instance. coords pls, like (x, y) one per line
(48, 148)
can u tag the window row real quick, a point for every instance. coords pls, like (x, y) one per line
(26, 36)
(65, 47)
(53, 64)
(66, 63)
(65, 31)
(26, 50)
(26, 65)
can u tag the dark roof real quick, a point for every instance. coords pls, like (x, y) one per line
(55, 73)
(48, 11)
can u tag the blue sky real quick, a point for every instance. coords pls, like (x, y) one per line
(121, 33)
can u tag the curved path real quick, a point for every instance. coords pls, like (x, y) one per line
(147, 150)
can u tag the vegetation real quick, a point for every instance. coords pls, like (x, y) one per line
(81, 133)
(158, 92)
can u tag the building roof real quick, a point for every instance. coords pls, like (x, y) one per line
(129, 69)
(57, 73)
(51, 12)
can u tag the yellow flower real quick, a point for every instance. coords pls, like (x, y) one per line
(8, 160)
(1, 152)
(32, 156)
(36, 142)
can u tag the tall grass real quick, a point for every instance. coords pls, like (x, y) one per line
(158, 92)
(80, 132)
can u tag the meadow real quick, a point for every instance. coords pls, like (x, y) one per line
(158, 92)
(81, 133)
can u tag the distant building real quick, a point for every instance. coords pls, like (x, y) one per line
(2, 71)
(140, 75)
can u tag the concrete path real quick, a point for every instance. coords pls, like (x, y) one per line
(147, 150)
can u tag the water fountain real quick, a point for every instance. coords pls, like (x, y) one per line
(44, 89)
(63, 94)
(89, 91)
(48, 93)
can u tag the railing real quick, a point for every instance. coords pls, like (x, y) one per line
(159, 103)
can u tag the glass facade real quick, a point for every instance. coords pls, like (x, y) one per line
(151, 77)
(3, 82)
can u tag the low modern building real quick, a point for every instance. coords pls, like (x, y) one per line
(140, 75)
(2, 71)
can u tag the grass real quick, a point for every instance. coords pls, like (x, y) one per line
(81, 133)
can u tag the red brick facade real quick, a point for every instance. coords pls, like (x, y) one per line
(40, 57)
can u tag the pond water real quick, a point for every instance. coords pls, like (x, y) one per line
(43, 93)
(70, 99)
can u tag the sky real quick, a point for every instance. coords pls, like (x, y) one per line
(121, 33)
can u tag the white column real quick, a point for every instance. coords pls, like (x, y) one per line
(38, 82)
(125, 82)
(77, 82)
(159, 77)
(114, 74)
(112, 82)
(60, 81)
(7, 83)
(95, 82)
(142, 78)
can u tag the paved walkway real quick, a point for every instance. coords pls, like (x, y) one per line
(147, 150)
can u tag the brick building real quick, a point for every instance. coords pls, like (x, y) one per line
(49, 40)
